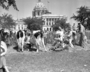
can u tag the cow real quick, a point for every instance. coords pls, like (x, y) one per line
(20, 35)
(39, 41)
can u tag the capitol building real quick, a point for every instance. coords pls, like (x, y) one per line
(40, 11)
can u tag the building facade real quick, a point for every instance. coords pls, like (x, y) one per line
(20, 25)
(40, 11)
(49, 20)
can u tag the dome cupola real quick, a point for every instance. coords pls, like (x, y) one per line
(39, 9)
(39, 6)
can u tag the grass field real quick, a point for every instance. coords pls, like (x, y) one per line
(61, 61)
(55, 61)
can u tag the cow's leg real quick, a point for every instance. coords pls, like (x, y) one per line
(37, 47)
(22, 46)
(29, 47)
(70, 42)
(44, 45)
(19, 46)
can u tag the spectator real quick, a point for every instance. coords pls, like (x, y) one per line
(3, 50)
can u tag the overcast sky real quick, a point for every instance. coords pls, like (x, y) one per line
(59, 7)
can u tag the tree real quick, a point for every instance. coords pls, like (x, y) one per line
(61, 23)
(83, 15)
(34, 23)
(6, 21)
(7, 3)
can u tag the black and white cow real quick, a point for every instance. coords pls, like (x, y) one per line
(39, 40)
(20, 39)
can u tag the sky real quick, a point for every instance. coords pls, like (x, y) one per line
(59, 7)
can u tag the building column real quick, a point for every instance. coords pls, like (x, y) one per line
(41, 13)
(45, 21)
(35, 13)
(51, 21)
(48, 22)
(54, 21)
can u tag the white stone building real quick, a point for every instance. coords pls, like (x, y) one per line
(49, 20)
(20, 25)
(40, 11)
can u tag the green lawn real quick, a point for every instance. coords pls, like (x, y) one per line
(61, 61)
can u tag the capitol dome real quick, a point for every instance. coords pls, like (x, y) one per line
(39, 9)
(40, 6)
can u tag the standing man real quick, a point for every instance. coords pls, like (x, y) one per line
(83, 38)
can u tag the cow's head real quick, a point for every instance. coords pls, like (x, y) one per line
(38, 34)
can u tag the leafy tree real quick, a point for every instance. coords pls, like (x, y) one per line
(34, 23)
(61, 23)
(83, 16)
(6, 21)
(7, 3)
